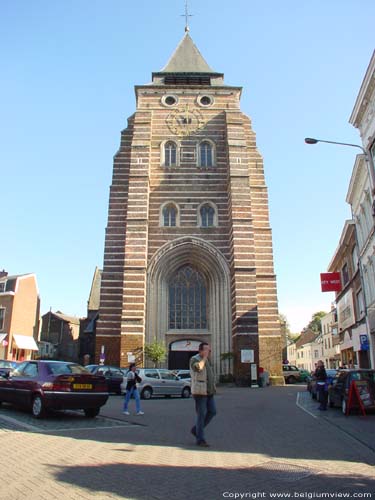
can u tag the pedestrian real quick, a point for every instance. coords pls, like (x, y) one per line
(321, 383)
(203, 390)
(131, 390)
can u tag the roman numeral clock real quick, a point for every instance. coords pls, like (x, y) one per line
(185, 121)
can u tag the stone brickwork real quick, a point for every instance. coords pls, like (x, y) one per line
(234, 256)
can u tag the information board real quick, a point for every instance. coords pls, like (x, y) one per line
(247, 356)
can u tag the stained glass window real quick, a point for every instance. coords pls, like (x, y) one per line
(187, 300)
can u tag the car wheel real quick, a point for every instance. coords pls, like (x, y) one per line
(37, 408)
(91, 412)
(292, 380)
(343, 406)
(146, 393)
(185, 392)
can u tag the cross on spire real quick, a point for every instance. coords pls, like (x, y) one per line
(186, 16)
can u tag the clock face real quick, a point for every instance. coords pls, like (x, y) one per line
(185, 121)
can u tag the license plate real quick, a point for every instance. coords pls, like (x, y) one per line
(82, 386)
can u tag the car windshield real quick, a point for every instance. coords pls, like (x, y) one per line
(66, 368)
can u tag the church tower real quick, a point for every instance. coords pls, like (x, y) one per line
(188, 248)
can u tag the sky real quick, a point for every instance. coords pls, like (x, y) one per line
(68, 70)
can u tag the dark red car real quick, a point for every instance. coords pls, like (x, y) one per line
(57, 385)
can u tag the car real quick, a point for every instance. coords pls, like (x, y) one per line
(113, 375)
(291, 374)
(45, 385)
(305, 375)
(160, 382)
(183, 374)
(338, 391)
(331, 374)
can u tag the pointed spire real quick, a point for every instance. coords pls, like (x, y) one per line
(187, 59)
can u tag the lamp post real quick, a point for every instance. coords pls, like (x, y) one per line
(371, 171)
(368, 157)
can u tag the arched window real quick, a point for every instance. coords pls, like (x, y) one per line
(170, 154)
(187, 300)
(169, 215)
(207, 215)
(206, 156)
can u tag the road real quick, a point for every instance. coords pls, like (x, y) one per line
(263, 441)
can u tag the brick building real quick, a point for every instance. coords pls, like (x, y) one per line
(19, 316)
(62, 331)
(188, 250)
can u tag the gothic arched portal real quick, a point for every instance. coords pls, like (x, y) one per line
(188, 296)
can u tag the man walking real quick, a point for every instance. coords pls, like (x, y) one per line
(203, 389)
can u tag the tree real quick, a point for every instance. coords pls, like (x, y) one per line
(284, 328)
(155, 351)
(316, 322)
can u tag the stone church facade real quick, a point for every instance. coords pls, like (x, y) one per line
(188, 248)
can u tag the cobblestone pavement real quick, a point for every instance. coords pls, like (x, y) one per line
(261, 442)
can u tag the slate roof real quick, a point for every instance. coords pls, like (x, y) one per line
(306, 337)
(187, 59)
(94, 298)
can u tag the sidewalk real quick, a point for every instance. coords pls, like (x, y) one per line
(361, 428)
(261, 442)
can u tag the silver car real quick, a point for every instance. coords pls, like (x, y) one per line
(160, 382)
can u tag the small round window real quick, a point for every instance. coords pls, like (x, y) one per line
(169, 100)
(205, 100)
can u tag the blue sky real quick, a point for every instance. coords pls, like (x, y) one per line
(68, 70)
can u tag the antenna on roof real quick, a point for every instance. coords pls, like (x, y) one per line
(186, 16)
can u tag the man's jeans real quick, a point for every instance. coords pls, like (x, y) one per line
(128, 395)
(206, 410)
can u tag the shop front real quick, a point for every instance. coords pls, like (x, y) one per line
(348, 355)
(23, 347)
(360, 342)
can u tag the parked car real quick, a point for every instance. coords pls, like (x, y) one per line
(338, 391)
(331, 374)
(113, 375)
(59, 385)
(160, 382)
(183, 374)
(291, 374)
(305, 375)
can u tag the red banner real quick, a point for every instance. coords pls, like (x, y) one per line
(330, 282)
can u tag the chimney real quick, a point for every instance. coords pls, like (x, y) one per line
(3, 273)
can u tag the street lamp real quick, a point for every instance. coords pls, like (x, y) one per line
(368, 157)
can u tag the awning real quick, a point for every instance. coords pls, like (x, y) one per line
(25, 342)
(2, 336)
